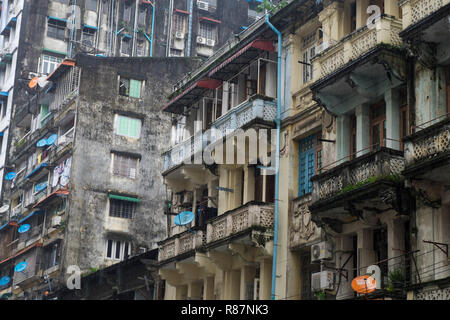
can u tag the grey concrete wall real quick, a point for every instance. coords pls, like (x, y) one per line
(95, 139)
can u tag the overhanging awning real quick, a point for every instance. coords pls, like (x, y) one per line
(90, 27)
(206, 19)
(4, 94)
(130, 199)
(234, 63)
(56, 19)
(181, 11)
(36, 170)
(50, 197)
(60, 69)
(30, 215)
(37, 244)
(188, 96)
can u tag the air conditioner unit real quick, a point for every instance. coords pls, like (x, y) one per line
(56, 221)
(201, 40)
(322, 280)
(179, 35)
(322, 251)
(203, 5)
(210, 42)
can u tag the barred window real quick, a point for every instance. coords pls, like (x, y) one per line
(118, 250)
(121, 209)
(124, 166)
(56, 29)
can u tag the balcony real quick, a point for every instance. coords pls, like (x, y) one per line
(369, 181)
(416, 10)
(256, 108)
(252, 216)
(356, 44)
(180, 244)
(427, 152)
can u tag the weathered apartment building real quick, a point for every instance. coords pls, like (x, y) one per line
(86, 154)
(364, 152)
(37, 35)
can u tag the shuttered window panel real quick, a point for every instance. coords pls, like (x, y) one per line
(129, 127)
(135, 88)
(121, 209)
(125, 166)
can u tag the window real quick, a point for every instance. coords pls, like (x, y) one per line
(49, 63)
(89, 37)
(353, 17)
(121, 208)
(91, 5)
(309, 51)
(127, 13)
(307, 164)
(207, 30)
(126, 126)
(176, 53)
(404, 125)
(142, 15)
(117, 250)
(140, 48)
(353, 138)
(179, 23)
(124, 166)
(130, 88)
(45, 114)
(52, 255)
(3, 106)
(56, 29)
(126, 45)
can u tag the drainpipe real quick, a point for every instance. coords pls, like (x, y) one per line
(277, 159)
(153, 27)
(136, 12)
(191, 9)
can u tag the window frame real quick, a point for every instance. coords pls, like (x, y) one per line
(122, 209)
(117, 126)
(117, 167)
(122, 255)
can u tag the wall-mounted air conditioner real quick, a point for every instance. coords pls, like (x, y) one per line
(201, 40)
(322, 251)
(210, 43)
(322, 281)
(56, 221)
(203, 5)
(179, 35)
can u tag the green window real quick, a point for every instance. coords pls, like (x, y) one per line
(135, 88)
(44, 114)
(129, 127)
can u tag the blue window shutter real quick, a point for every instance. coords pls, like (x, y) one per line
(306, 168)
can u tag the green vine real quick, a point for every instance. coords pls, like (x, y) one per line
(270, 6)
(396, 178)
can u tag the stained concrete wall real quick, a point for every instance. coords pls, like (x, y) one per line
(95, 139)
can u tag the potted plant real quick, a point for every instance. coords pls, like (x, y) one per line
(396, 279)
(321, 295)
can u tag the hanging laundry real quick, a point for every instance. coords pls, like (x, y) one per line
(56, 176)
(66, 172)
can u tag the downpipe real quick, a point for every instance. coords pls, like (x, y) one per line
(277, 159)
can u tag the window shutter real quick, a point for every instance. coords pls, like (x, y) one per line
(134, 128)
(135, 88)
(122, 126)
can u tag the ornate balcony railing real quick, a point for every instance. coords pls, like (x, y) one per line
(181, 243)
(234, 119)
(382, 164)
(428, 144)
(356, 44)
(415, 10)
(238, 220)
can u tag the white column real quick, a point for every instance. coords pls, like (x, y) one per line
(271, 80)
(362, 129)
(392, 119)
(343, 136)
(366, 254)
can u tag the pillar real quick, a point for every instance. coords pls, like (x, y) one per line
(396, 242)
(247, 280)
(194, 291)
(241, 94)
(249, 184)
(344, 247)
(225, 96)
(293, 272)
(362, 129)
(366, 254)
(265, 274)
(181, 292)
(208, 288)
(271, 80)
(391, 97)
(235, 284)
(391, 8)
(343, 138)
(361, 13)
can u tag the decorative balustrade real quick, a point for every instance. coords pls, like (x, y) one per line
(428, 144)
(383, 164)
(356, 44)
(234, 119)
(415, 10)
(181, 243)
(66, 90)
(241, 219)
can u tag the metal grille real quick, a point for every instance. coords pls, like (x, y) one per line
(125, 166)
(121, 209)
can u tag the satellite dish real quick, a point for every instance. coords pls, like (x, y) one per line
(10, 176)
(4, 281)
(33, 83)
(21, 266)
(40, 186)
(42, 81)
(24, 228)
(41, 143)
(184, 218)
(52, 139)
(4, 208)
(364, 284)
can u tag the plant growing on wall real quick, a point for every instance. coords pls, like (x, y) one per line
(270, 6)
